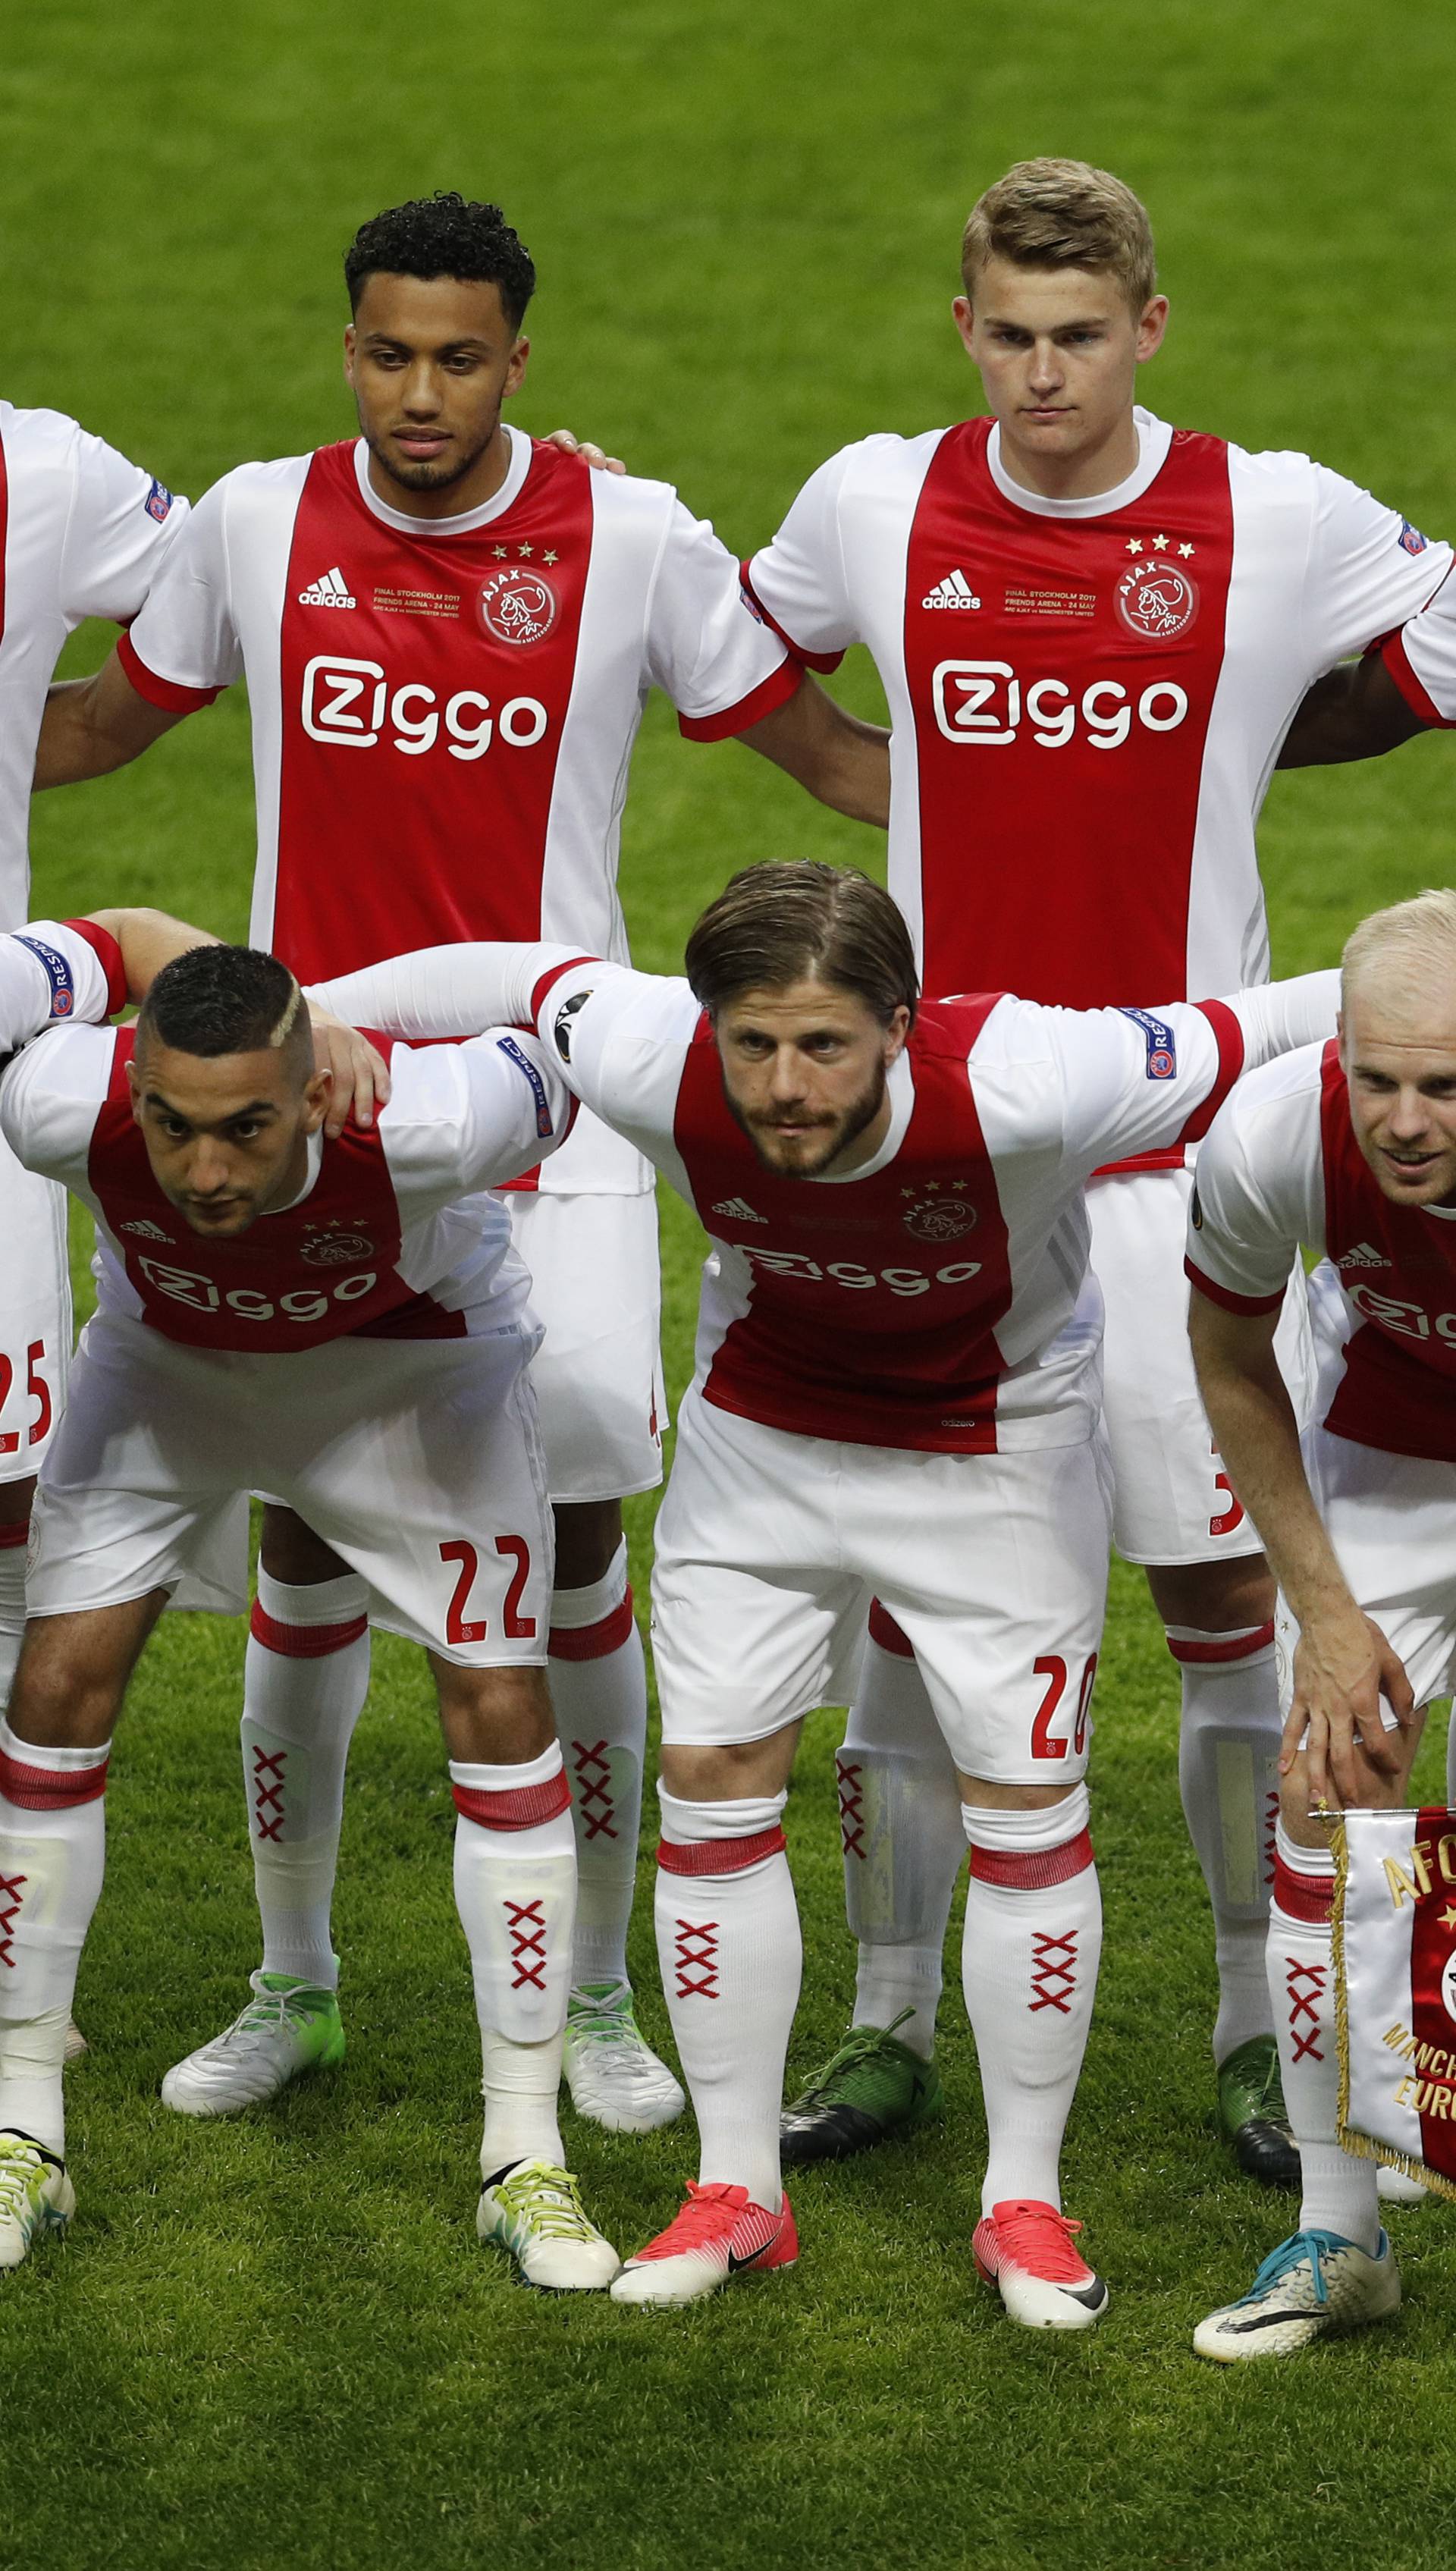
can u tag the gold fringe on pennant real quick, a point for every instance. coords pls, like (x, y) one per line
(1363, 2146)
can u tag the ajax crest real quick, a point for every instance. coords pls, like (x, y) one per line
(938, 1215)
(1157, 600)
(328, 1246)
(518, 606)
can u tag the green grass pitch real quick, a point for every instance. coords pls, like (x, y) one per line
(275, 2342)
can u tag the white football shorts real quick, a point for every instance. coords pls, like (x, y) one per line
(418, 1460)
(596, 1291)
(1171, 1497)
(1391, 1520)
(770, 1547)
(35, 1316)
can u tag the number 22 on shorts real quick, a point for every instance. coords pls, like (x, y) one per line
(460, 1628)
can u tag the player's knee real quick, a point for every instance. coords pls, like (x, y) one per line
(494, 1717)
(727, 1771)
(63, 1697)
(587, 1533)
(984, 1794)
(1214, 1597)
(292, 1553)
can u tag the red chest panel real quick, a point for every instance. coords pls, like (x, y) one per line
(325, 1270)
(1398, 1268)
(875, 1302)
(1062, 674)
(424, 686)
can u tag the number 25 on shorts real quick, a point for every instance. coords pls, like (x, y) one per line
(40, 1393)
(460, 1628)
(1045, 1743)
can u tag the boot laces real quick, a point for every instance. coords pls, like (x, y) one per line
(860, 2045)
(1038, 2239)
(701, 2224)
(20, 2165)
(548, 2201)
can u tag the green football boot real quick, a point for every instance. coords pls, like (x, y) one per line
(873, 2090)
(1252, 2114)
(289, 2027)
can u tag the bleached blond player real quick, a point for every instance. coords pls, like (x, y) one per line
(350, 1317)
(897, 1387)
(448, 633)
(1348, 1149)
(1093, 630)
(83, 532)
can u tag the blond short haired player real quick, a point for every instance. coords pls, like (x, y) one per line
(1348, 1149)
(1093, 630)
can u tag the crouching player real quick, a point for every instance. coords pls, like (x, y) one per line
(1351, 1149)
(898, 1388)
(326, 1317)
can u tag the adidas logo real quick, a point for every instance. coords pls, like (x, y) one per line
(330, 590)
(954, 591)
(744, 1212)
(147, 1231)
(1362, 1255)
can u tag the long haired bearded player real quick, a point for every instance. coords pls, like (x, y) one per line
(898, 1389)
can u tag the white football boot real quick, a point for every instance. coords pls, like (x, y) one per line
(1024, 2247)
(719, 2234)
(287, 2027)
(1313, 2284)
(614, 2078)
(534, 2210)
(36, 2196)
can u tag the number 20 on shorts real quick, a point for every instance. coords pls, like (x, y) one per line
(462, 1628)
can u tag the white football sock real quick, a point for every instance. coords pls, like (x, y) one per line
(1228, 1778)
(515, 1889)
(52, 1857)
(902, 1839)
(1033, 1942)
(729, 1946)
(12, 1603)
(598, 1689)
(1338, 2191)
(305, 1679)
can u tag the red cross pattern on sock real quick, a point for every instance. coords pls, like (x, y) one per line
(593, 1773)
(10, 1890)
(850, 1777)
(267, 1793)
(1053, 1971)
(528, 1944)
(1304, 2003)
(696, 1954)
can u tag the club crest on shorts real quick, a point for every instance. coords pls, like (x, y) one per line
(518, 606)
(1157, 600)
(940, 1214)
(331, 1244)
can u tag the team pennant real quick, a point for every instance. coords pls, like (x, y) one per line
(1395, 1989)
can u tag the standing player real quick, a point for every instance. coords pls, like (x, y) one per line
(897, 1385)
(449, 635)
(332, 1313)
(1093, 631)
(82, 533)
(1348, 1149)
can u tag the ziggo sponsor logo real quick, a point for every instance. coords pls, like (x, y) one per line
(847, 1271)
(245, 1304)
(1393, 1314)
(348, 703)
(985, 701)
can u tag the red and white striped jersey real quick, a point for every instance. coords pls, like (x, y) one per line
(937, 1298)
(82, 533)
(1086, 696)
(443, 712)
(389, 1237)
(1281, 1168)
